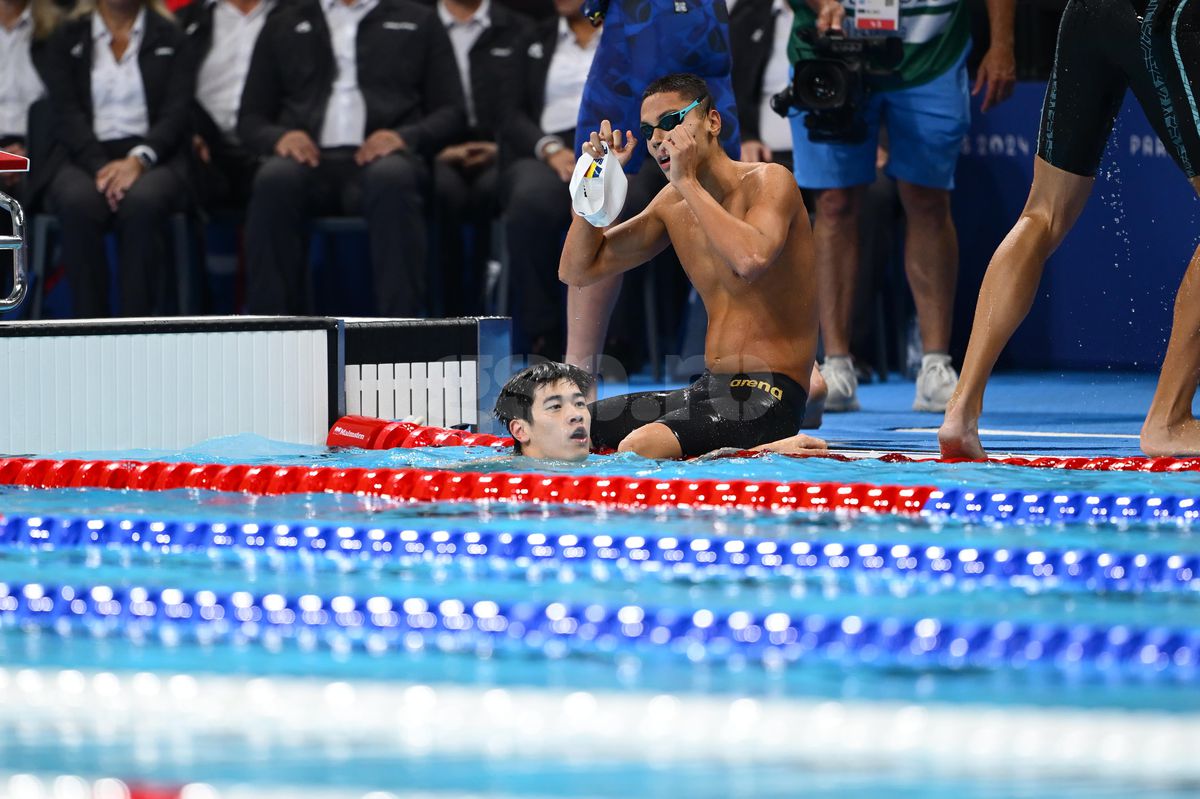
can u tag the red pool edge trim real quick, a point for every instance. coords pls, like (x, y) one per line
(419, 485)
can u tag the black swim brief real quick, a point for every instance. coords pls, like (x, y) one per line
(740, 410)
(1105, 46)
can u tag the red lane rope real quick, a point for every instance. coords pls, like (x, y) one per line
(366, 432)
(418, 485)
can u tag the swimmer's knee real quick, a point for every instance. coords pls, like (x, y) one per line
(652, 441)
(635, 442)
(628, 444)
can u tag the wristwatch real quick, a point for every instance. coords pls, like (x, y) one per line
(552, 147)
(144, 155)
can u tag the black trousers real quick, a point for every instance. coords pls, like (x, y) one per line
(139, 221)
(462, 200)
(390, 193)
(224, 182)
(537, 213)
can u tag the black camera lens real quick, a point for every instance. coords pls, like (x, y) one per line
(822, 84)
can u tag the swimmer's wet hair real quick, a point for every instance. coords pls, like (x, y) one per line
(516, 398)
(684, 83)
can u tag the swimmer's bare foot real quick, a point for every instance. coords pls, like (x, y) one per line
(814, 410)
(798, 444)
(1161, 439)
(958, 437)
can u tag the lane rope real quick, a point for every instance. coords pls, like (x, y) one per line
(418, 485)
(694, 556)
(379, 624)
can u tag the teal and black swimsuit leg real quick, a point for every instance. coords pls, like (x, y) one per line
(1105, 46)
(644, 40)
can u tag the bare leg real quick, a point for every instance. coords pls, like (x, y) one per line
(1055, 202)
(588, 311)
(1170, 427)
(930, 261)
(835, 245)
(652, 441)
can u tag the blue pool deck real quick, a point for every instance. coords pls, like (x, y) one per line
(1049, 413)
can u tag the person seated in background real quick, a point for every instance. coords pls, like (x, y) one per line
(537, 159)
(741, 233)
(544, 408)
(24, 27)
(222, 34)
(346, 100)
(120, 84)
(758, 40)
(487, 39)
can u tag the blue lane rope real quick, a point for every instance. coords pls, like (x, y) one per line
(381, 624)
(1093, 569)
(1060, 507)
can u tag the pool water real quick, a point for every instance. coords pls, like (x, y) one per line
(504, 675)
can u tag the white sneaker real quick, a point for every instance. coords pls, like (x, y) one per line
(838, 371)
(935, 383)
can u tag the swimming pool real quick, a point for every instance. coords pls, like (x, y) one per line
(334, 644)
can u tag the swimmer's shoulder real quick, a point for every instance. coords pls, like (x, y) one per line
(772, 183)
(761, 175)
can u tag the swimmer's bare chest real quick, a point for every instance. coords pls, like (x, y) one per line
(761, 325)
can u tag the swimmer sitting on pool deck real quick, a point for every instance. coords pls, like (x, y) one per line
(544, 408)
(741, 233)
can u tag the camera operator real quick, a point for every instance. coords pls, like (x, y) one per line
(918, 90)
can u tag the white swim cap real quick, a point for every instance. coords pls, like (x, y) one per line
(598, 189)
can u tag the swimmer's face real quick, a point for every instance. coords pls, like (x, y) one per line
(560, 426)
(702, 121)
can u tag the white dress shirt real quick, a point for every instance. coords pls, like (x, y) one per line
(565, 77)
(346, 113)
(776, 131)
(463, 35)
(20, 85)
(118, 96)
(223, 73)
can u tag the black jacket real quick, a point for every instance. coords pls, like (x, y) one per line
(751, 34)
(495, 61)
(406, 73)
(196, 20)
(168, 77)
(523, 128)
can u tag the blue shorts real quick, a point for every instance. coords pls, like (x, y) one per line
(926, 126)
(644, 40)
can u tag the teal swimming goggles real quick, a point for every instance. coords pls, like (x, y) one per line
(669, 120)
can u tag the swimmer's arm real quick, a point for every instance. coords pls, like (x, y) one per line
(592, 254)
(749, 246)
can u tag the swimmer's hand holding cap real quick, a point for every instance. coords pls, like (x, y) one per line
(598, 189)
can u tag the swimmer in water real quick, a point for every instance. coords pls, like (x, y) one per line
(544, 408)
(1104, 47)
(742, 235)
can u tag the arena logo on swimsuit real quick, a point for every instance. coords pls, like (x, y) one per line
(777, 393)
